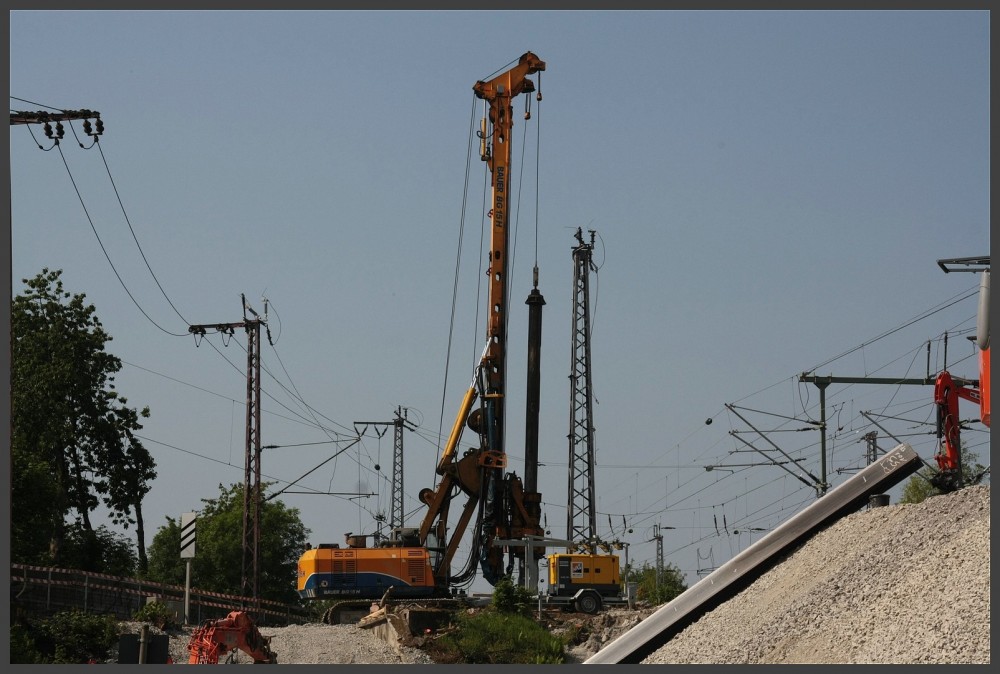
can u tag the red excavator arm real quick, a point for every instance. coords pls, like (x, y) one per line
(948, 390)
(215, 638)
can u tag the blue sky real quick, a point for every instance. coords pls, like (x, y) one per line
(769, 190)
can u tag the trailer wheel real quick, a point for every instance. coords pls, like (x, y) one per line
(589, 602)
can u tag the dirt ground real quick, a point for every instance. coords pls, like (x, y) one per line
(316, 643)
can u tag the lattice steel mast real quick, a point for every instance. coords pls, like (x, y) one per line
(581, 510)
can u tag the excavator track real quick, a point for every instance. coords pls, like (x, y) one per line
(333, 614)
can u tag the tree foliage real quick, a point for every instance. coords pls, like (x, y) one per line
(657, 588)
(919, 488)
(511, 598)
(218, 562)
(68, 637)
(100, 551)
(74, 445)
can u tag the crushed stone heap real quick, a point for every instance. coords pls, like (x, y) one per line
(901, 584)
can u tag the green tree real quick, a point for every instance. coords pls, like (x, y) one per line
(218, 562)
(164, 554)
(73, 443)
(657, 588)
(919, 487)
(100, 551)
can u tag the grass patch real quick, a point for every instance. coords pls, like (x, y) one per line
(491, 637)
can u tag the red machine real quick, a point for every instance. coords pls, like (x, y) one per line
(948, 389)
(216, 638)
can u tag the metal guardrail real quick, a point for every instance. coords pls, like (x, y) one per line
(47, 590)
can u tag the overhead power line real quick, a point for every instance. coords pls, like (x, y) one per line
(46, 118)
(920, 317)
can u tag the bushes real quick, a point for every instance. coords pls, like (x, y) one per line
(156, 613)
(505, 633)
(511, 598)
(69, 637)
(658, 588)
(503, 638)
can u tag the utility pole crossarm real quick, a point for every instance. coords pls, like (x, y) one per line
(888, 381)
(218, 327)
(43, 117)
(970, 264)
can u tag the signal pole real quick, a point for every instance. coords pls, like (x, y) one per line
(250, 578)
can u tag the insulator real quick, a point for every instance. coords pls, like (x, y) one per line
(100, 126)
(60, 131)
(87, 127)
(48, 130)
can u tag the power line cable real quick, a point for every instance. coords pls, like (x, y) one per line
(930, 312)
(299, 420)
(104, 250)
(128, 221)
(458, 266)
(242, 373)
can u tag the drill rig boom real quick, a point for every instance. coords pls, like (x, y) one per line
(496, 500)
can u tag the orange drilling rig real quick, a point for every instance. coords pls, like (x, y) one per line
(417, 562)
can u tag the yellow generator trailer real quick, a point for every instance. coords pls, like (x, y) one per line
(584, 582)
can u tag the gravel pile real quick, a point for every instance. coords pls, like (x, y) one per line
(317, 643)
(903, 584)
(312, 644)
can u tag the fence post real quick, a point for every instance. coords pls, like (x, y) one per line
(48, 592)
(86, 587)
(143, 643)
